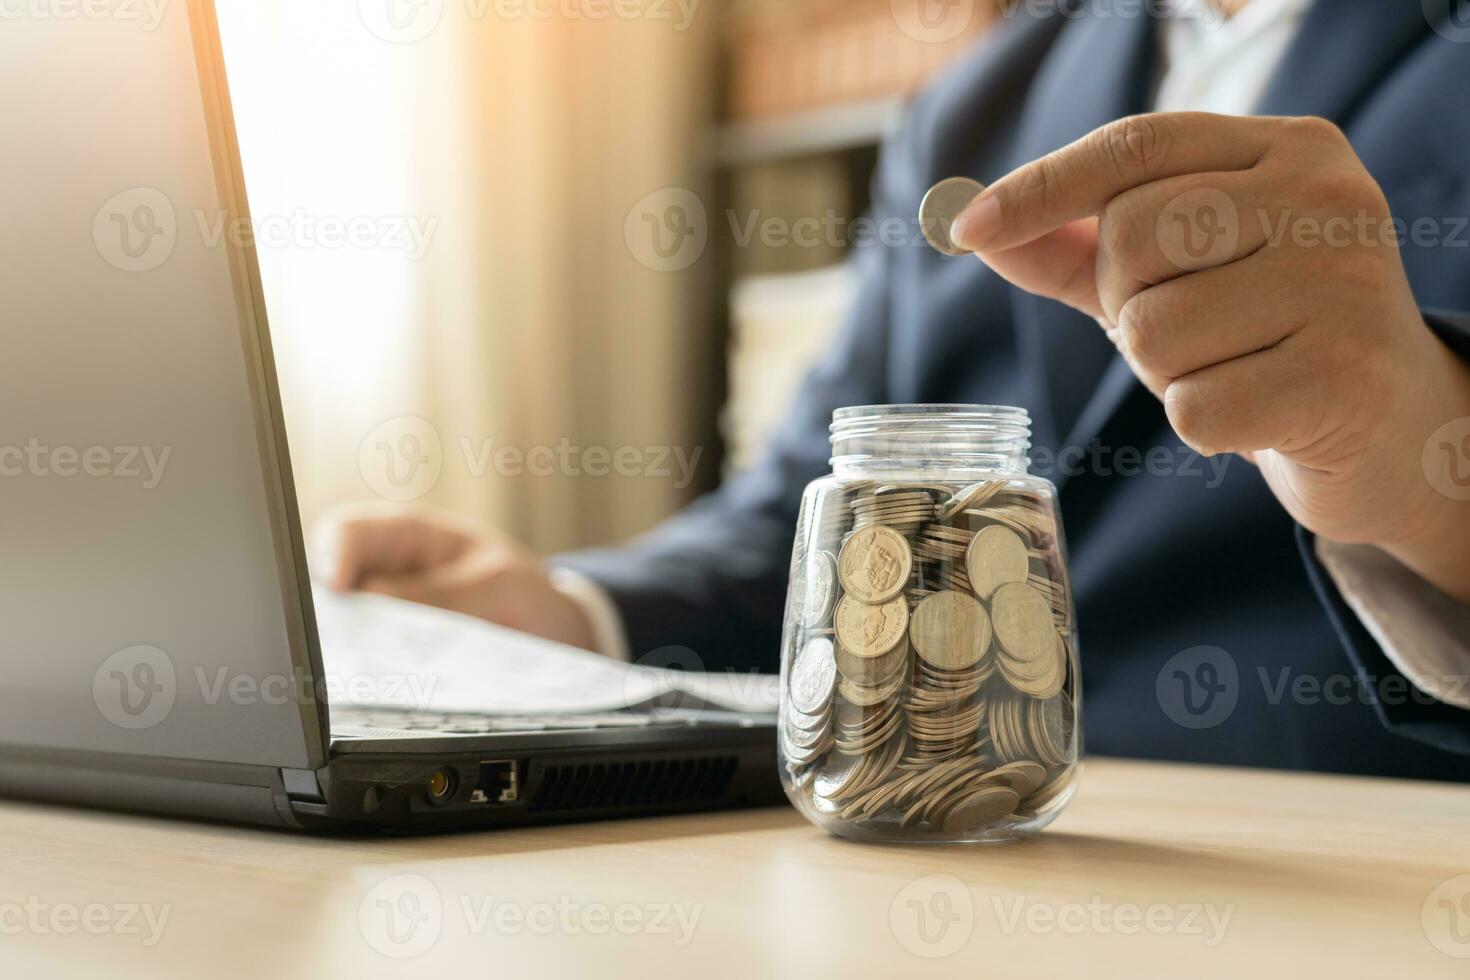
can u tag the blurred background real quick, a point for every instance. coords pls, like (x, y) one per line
(558, 264)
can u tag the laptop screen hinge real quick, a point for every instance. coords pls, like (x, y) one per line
(301, 784)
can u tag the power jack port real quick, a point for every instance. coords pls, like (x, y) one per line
(441, 786)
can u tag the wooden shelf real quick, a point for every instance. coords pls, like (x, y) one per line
(828, 130)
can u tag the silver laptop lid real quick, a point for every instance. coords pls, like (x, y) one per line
(152, 589)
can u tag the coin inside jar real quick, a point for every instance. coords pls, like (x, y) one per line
(869, 630)
(1023, 622)
(813, 675)
(865, 697)
(968, 497)
(981, 807)
(818, 587)
(950, 630)
(995, 557)
(872, 671)
(874, 564)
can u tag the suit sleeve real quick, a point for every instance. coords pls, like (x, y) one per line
(712, 580)
(1422, 703)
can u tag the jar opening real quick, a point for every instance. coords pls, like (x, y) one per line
(885, 439)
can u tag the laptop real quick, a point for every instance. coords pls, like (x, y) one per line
(161, 635)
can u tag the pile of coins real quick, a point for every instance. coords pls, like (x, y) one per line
(930, 683)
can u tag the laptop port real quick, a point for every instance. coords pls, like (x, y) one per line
(441, 786)
(499, 783)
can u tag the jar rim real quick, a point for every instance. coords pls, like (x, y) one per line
(939, 411)
(867, 438)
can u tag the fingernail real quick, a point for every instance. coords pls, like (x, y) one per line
(977, 224)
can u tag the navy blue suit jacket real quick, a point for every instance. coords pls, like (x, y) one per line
(1161, 563)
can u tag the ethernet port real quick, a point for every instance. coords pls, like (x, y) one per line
(499, 783)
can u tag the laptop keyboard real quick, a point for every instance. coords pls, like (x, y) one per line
(473, 724)
(355, 720)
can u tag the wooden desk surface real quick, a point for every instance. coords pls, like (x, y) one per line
(1153, 871)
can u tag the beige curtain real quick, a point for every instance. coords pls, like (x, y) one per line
(508, 150)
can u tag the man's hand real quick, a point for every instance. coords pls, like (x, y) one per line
(441, 561)
(1248, 271)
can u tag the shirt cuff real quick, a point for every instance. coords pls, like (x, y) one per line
(607, 623)
(1422, 631)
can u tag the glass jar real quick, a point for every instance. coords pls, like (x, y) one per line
(929, 656)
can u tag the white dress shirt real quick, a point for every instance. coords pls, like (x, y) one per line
(1209, 63)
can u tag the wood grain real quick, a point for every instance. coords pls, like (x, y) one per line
(1304, 875)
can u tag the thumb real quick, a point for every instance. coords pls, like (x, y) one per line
(1061, 265)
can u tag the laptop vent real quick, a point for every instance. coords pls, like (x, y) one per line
(629, 784)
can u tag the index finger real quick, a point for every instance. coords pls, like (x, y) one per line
(1080, 179)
